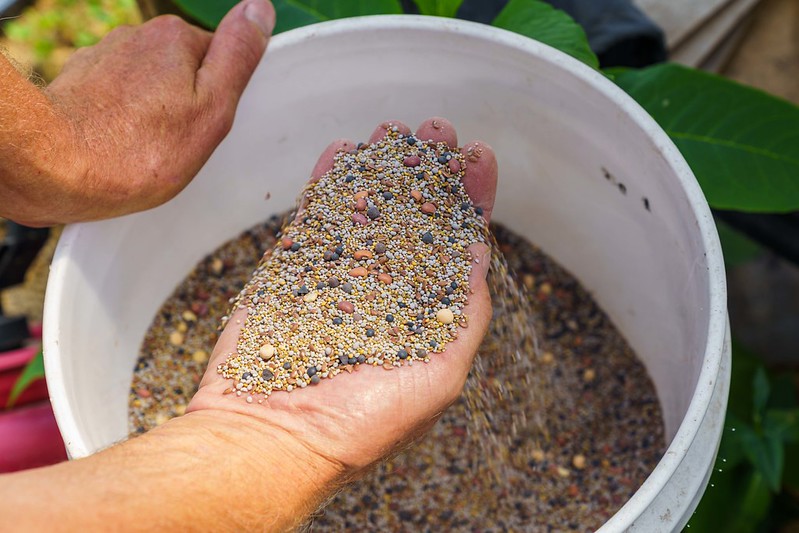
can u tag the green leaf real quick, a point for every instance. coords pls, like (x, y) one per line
(736, 501)
(744, 366)
(292, 13)
(33, 370)
(762, 389)
(438, 8)
(737, 247)
(542, 22)
(740, 142)
(765, 453)
(782, 424)
(207, 12)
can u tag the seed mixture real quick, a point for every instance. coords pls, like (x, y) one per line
(374, 270)
(558, 426)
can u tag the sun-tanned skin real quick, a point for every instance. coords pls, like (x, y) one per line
(226, 464)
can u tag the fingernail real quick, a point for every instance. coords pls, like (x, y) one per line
(258, 13)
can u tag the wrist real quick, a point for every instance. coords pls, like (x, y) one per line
(286, 480)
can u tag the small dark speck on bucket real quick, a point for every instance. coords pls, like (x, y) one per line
(646, 204)
(623, 188)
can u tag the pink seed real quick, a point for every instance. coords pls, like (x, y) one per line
(412, 161)
(346, 306)
(454, 165)
(358, 218)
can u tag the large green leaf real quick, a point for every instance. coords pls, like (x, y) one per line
(765, 452)
(438, 8)
(33, 370)
(292, 13)
(542, 22)
(742, 144)
(206, 12)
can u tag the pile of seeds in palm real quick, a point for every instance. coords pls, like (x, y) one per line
(373, 270)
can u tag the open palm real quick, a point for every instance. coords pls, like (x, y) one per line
(359, 417)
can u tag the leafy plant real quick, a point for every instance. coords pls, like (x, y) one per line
(33, 370)
(762, 423)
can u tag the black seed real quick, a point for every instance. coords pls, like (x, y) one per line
(337, 321)
(296, 246)
(373, 212)
(402, 353)
(443, 159)
(245, 376)
(427, 238)
(320, 285)
(351, 360)
(328, 255)
(267, 374)
(333, 282)
(311, 371)
(287, 365)
(433, 343)
(380, 248)
(420, 176)
(389, 318)
(402, 305)
(411, 140)
(361, 358)
(308, 268)
(315, 380)
(347, 287)
(465, 206)
(342, 359)
(370, 332)
(339, 250)
(349, 178)
(478, 210)
(451, 240)
(303, 290)
(454, 284)
(445, 301)
(388, 195)
(421, 354)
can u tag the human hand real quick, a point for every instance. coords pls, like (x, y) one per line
(358, 418)
(144, 109)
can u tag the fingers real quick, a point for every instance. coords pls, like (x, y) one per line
(235, 51)
(383, 128)
(438, 129)
(325, 162)
(480, 180)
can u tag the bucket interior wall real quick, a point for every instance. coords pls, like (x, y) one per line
(576, 177)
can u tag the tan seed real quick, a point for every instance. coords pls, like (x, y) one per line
(267, 351)
(346, 306)
(445, 316)
(361, 194)
(416, 195)
(176, 338)
(310, 297)
(200, 356)
(286, 243)
(563, 472)
(189, 316)
(363, 254)
(538, 455)
(385, 278)
(578, 461)
(180, 409)
(589, 375)
(358, 272)
(360, 204)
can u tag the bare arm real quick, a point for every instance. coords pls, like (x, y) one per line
(205, 471)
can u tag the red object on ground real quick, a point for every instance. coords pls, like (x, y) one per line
(29, 438)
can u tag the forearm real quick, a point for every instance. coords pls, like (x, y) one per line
(208, 470)
(37, 156)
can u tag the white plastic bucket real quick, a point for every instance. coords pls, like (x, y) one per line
(565, 137)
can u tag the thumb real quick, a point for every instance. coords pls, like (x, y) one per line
(235, 51)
